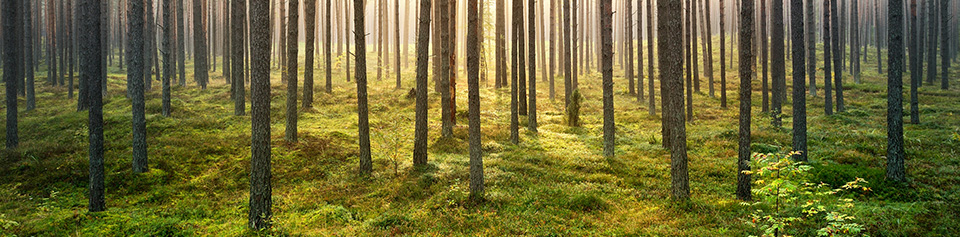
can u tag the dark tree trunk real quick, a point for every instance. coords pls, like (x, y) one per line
(13, 73)
(327, 49)
(639, 28)
(650, 41)
(764, 58)
(688, 59)
(708, 38)
(553, 46)
(135, 45)
(567, 73)
(181, 41)
(396, 25)
(606, 37)
(827, 59)
(895, 154)
(473, 96)
(238, 17)
(366, 163)
(310, 26)
(167, 50)
(200, 43)
(260, 187)
(931, 43)
(669, 61)
(797, 26)
(445, 69)
(291, 68)
(915, 67)
(514, 94)
(28, 56)
(747, 63)
(501, 54)
(837, 54)
(51, 45)
(420, 131)
(518, 34)
(810, 27)
(779, 63)
(532, 105)
(91, 62)
(944, 44)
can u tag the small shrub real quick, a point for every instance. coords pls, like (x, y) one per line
(587, 202)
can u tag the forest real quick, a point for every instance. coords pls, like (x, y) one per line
(480, 118)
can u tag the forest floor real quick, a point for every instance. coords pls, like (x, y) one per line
(553, 183)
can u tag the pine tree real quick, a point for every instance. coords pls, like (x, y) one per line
(895, 155)
(473, 71)
(200, 43)
(443, 81)
(166, 48)
(135, 65)
(650, 40)
(310, 26)
(532, 105)
(797, 26)
(13, 68)
(915, 67)
(420, 131)
(90, 59)
(260, 175)
(670, 65)
(778, 74)
(606, 36)
(747, 63)
(238, 47)
(366, 163)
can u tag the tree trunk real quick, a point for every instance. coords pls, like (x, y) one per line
(895, 154)
(200, 41)
(650, 40)
(567, 73)
(445, 67)
(797, 27)
(501, 54)
(135, 66)
(167, 53)
(747, 63)
(327, 49)
(260, 176)
(238, 16)
(837, 55)
(473, 96)
(779, 63)
(606, 36)
(181, 41)
(669, 61)
(291, 68)
(423, 39)
(708, 64)
(532, 105)
(915, 67)
(827, 59)
(765, 57)
(91, 59)
(944, 44)
(688, 59)
(553, 47)
(628, 45)
(518, 31)
(12, 75)
(310, 26)
(28, 56)
(811, 42)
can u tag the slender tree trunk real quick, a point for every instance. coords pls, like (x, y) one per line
(827, 59)
(396, 25)
(944, 44)
(895, 154)
(553, 43)
(91, 59)
(915, 67)
(200, 41)
(366, 163)
(628, 44)
(166, 47)
(501, 56)
(671, 86)
(420, 131)
(473, 71)
(797, 26)
(650, 40)
(747, 63)
(811, 42)
(29, 54)
(532, 105)
(708, 38)
(445, 68)
(779, 63)
(291, 68)
(260, 176)
(764, 57)
(606, 35)
(238, 16)
(327, 49)
(181, 41)
(688, 59)
(310, 26)
(723, 56)
(518, 31)
(12, 74)
(837, 54)
(567, 73)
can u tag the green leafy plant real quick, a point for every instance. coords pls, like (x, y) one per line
(787, 204)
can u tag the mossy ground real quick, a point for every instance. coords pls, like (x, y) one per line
(552, 183)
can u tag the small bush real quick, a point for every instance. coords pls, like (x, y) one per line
(587, 202)
(573, 109)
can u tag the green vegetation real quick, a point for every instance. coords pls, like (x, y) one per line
(554, 183)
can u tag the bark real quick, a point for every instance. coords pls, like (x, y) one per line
(396, 16)
(827, 59)
(260, 175)
(501, 51)
(779, 63)
(51, 45)
(764, 58)
(135, 65)
(837, 55)
(747, 63)
(28, 56)
(895, 154)
(671, 86)
(423, 39)
(915, 70)
(200, 68)
(327, 49)
(181, 45)
(688, 59)
(167, 53)
(445, 114)
(238, 47)
(518, 31)
(91, 61)
(708, 64)
(723, 56)
(473, 96)
(811, 42)
(553, 46)
(650, 40)
(310, 26)
(514, 95)
(639, 51)
(931, 42)
(291, 68)
(366, 163)
(13, 73)
(797, 26)
(944, 44)
(532, 105)
(606, 36)
(567, 73)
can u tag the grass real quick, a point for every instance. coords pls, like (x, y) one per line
(553, 183)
